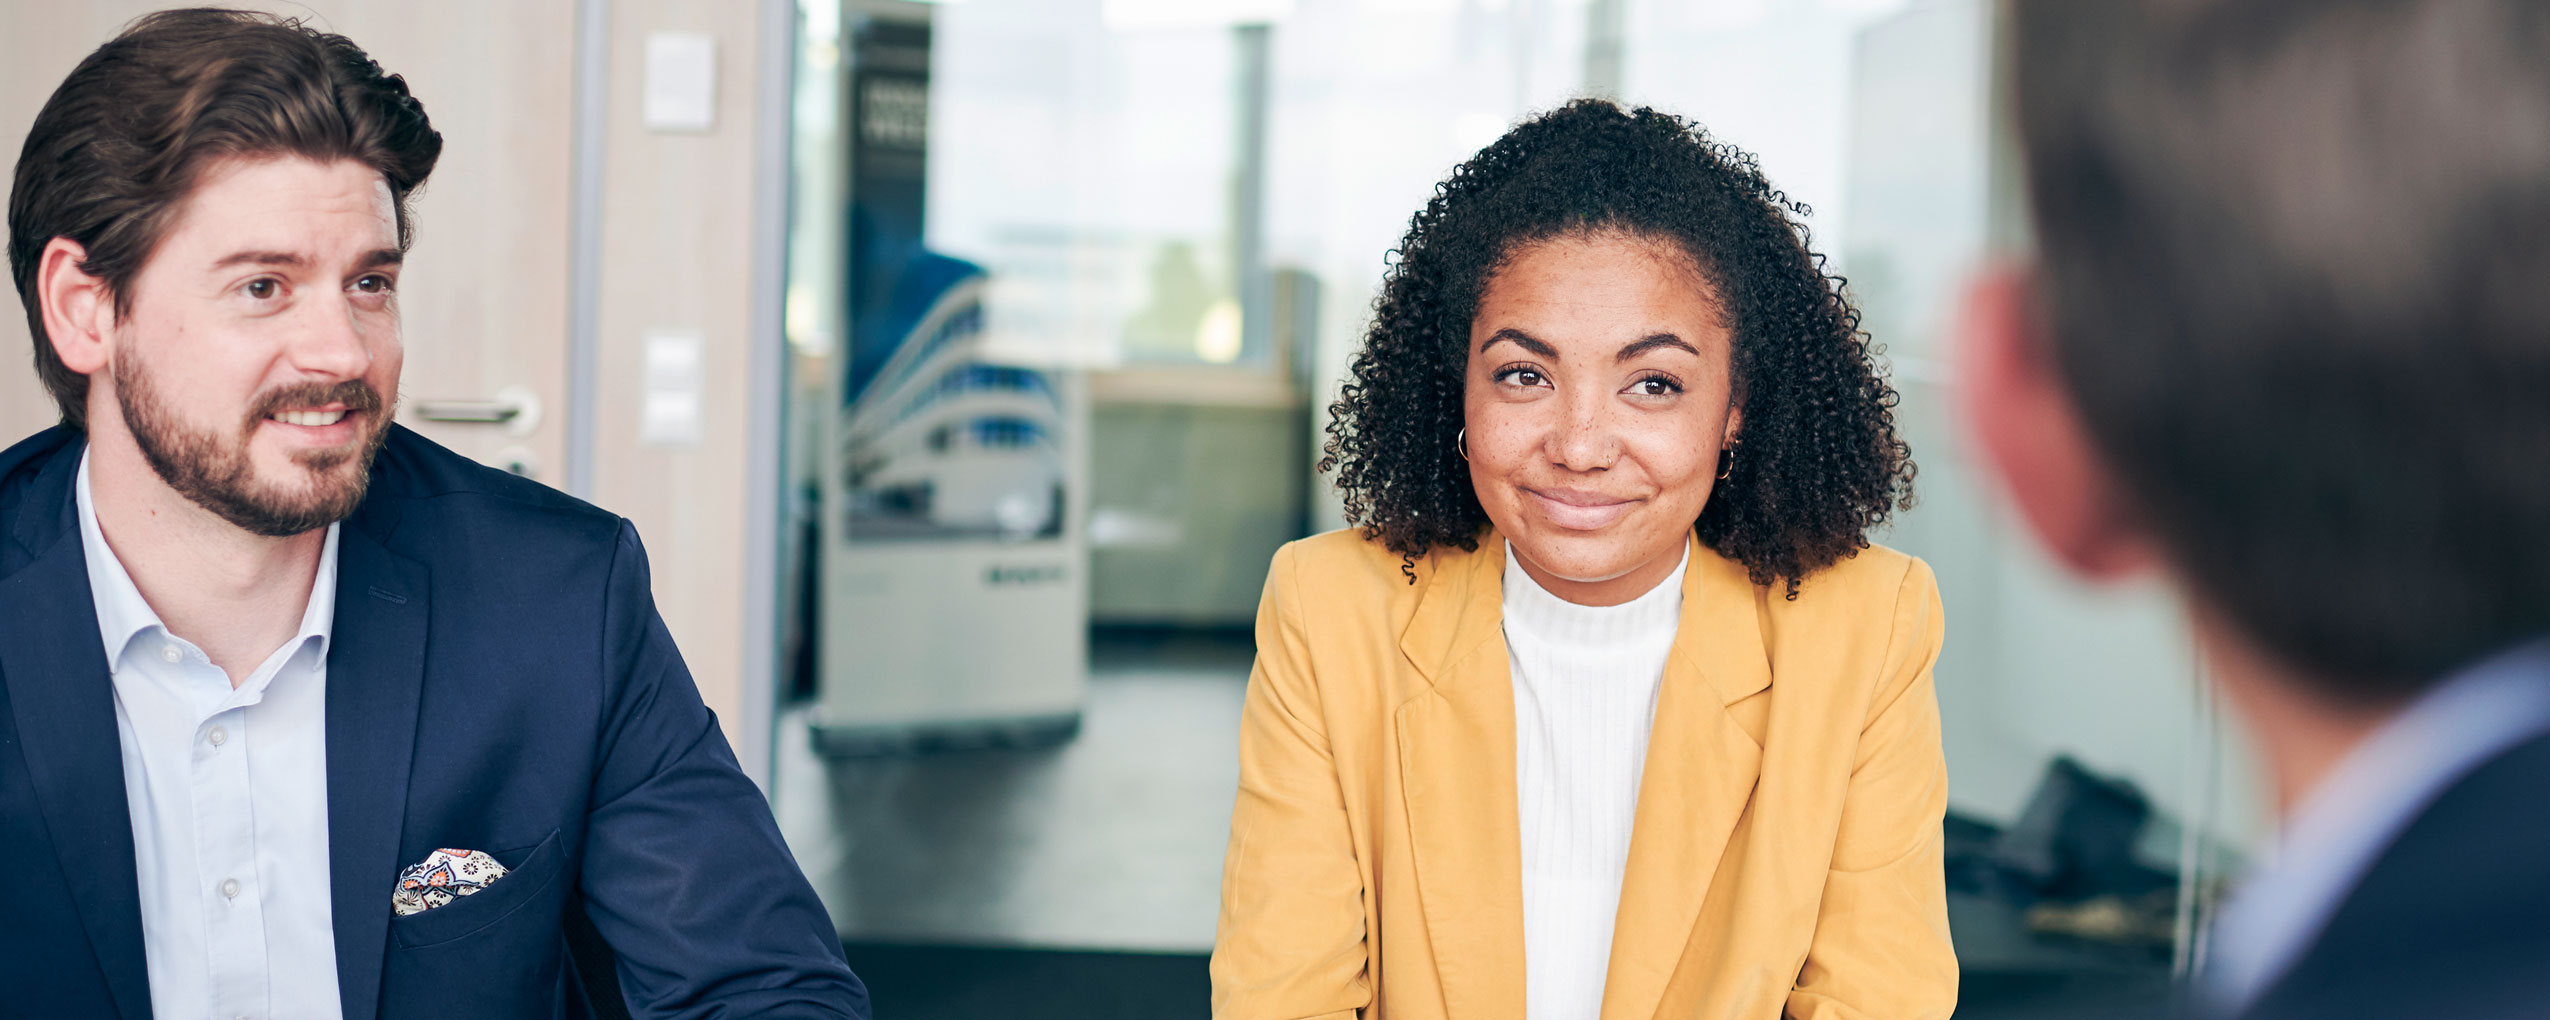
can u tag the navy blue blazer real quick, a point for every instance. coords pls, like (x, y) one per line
(2453, 918)
(499, 680)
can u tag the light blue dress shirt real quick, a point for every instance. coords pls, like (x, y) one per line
(228, 794)
(2362, 806)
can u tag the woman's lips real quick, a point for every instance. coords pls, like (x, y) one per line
(1578, 510)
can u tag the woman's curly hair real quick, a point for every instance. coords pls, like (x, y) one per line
(1820, 463)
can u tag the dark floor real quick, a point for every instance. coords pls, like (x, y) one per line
(969, 983)
(908, 982)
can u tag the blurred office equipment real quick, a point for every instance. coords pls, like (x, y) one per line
(2077, 836)
(954, 572)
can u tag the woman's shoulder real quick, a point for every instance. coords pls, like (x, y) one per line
(1874, 580)
(1344, 571)
(1344, 550)
(1338, 607)
(1345, 560)
(1872, 616)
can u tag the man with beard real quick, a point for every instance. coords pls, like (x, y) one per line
(300, 714)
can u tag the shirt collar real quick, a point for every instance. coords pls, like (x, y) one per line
(318, 616)
(2363, 805)
(1543, 613)
(122, 613)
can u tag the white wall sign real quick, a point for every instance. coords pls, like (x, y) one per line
(681, 81)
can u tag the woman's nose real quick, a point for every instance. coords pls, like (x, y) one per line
(1583, 439)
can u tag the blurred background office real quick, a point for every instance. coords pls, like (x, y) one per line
(963, 363)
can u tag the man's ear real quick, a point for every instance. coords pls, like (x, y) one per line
(79, 311)
(2022, 417)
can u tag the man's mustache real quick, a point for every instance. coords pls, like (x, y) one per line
(355, 394)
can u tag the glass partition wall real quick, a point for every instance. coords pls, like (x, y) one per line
(1071, 283)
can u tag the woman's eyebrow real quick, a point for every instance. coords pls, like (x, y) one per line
(1522, 339)
(1651, 343)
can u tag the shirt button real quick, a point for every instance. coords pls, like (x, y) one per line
(171, 653)
(218, 736)
(229, 888)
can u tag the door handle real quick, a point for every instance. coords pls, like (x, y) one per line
(515, 408)
(489, 412)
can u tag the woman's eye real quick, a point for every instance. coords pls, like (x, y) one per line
(1656, 386)
(1521, 377)
(264, 290)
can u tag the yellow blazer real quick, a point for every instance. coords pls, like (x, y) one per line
(1786, 848)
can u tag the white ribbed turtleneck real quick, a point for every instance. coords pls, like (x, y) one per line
(1585, 682)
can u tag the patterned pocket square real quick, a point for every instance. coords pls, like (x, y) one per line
(443, 876)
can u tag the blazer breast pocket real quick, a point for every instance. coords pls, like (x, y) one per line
(527, 882)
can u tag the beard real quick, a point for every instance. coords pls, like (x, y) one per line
(215, 471)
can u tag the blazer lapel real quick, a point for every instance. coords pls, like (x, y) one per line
(1700, 771)
(1456, 754)
(63, 702)
(376, 671)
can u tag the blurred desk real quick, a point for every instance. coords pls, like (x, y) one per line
(2010, 972)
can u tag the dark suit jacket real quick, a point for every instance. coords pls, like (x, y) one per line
(499, 680)
(2452, 920)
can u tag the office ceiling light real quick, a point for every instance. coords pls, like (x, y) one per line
(1217, 339)
(1137, 15)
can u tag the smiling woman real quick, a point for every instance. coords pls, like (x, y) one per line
(1603, 405)
(1608, 707)
(1824, 463)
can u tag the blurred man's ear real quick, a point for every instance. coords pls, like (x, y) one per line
(2021, 416)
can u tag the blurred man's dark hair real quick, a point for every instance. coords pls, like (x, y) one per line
(2295, 266)
(113, 156)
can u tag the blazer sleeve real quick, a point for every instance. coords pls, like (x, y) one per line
(1291, 941)
(684, 872)
(1881, 947)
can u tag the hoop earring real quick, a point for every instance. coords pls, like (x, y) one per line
(1461, 442)
(1726, 461)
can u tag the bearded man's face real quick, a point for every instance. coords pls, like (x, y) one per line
(257, 362)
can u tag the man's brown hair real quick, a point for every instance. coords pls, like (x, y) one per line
(2294, 260)
(118, 148)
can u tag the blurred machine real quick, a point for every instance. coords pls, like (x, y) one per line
(954, 599)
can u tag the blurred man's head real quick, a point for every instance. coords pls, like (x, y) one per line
(2288, 334)
(206, 228)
